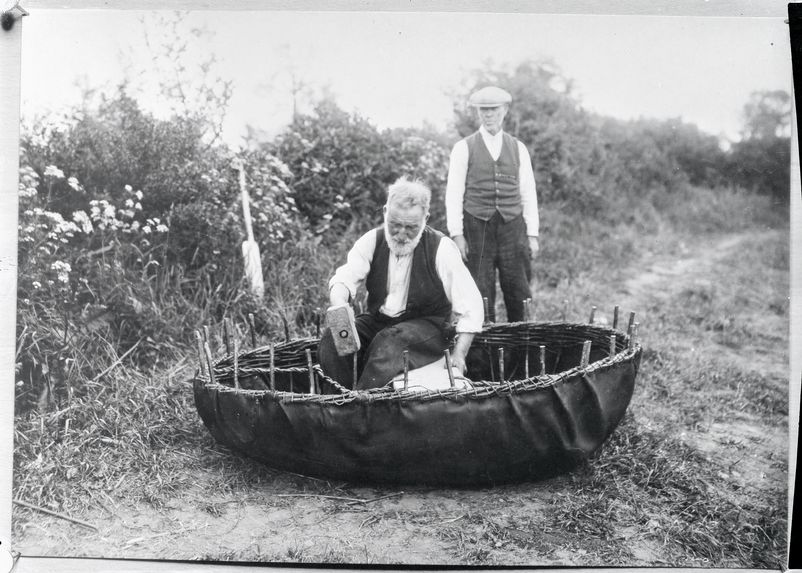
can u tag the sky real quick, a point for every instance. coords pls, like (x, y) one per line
(399, 69)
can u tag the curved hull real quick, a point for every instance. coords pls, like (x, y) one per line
(523, 430)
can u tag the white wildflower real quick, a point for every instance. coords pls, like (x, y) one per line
(138, 206)
(83, 221)
(129, 203)
(138, 195)
(36, 284)
(62, 271)
(128, 188)
(161, 228)
(73, 182)
(53, 171)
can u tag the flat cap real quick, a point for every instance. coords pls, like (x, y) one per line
(489, 96)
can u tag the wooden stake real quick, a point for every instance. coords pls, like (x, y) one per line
(526, 355)
(208, 352)
(227, 334)
(252, 325)
(615, 317)
(311, 372)
(565, 309)
(286, 327)
(207, 335)
(612, 345)
(448, 368)
(356, 369)
(592, 315)
(272, 365)
(236, 363)
(487, 309)
(199, 339)
(633, 333)
(631, 322)
(406, 369)
(585, 354)
(542, 360)
(501, 364)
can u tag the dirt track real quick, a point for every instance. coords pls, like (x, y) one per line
(292, 518)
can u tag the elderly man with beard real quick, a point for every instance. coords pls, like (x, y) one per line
(416, 283)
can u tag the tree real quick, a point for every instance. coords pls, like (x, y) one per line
(761, 160)
(767, 115)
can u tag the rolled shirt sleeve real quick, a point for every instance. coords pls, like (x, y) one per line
(526, 178)
(460, 288)
(455, 187)
(357, 264)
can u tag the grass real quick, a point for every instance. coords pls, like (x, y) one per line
(714, 350)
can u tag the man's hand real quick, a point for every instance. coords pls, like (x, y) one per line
(462, 245)
(534, 247)
(339, 294)
(460, 351)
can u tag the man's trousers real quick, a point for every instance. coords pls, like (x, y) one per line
(382, 343)
(495, 244)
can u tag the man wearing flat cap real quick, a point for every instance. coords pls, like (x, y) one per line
(491, 205)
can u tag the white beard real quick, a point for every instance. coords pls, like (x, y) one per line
(402, 249)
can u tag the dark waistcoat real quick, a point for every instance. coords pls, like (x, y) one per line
(426, 296)
(492, 186)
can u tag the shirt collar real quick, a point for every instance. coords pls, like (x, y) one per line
(486, 134)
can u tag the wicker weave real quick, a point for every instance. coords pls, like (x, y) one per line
(563, 342)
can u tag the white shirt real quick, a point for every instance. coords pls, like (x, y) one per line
(458, 171)
(459, 286)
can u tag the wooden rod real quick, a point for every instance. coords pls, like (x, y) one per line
(199, 339)
(227, 334)
(448, 368)
(592, 315)
(501, 364)
(585, 354)
(633, 334)
(236, 363)
(311, 372)
(631, 322)
(612, 345)
(208, 352)
(272, 365)
(252, 325)
(356, 369)
(207, 335)
(486, 308)
(54, 514)
(615, 317)
(565, 309)
(406, 369)
(542, 360)
(526, 355)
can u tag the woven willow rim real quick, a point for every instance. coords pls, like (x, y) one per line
(511, 335)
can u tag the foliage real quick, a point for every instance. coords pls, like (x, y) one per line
(342, 166)
(137, 241)
(566, 153)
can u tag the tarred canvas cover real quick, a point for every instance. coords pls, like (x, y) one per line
(512, 434)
